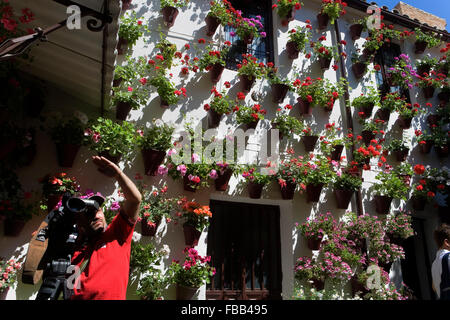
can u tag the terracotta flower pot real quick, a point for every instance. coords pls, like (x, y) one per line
(400, 155)
(336, 153)
(216, 72)
(304, 106)
(187, 184)
(122, 46)
(186, 293)
(367, 136)
(313, 192)
(213, 118)
(211, 25)
(356, 30)
(425, 148)
(384, 114)
(52, 201)
(149, 230)
(117, 82)
(343, 198)
(324, 63)
(221, 182)
(404, 123)
(122, 110)
(67, 154)
(367, 111)
(359, 69)
(279, 92)
(287, 193)
(152, 160)
(163, 103)
(13, 227)
(420, 47)
(289, 17)
(423, 69)
(322, 19)
(251, 125)
(309, 142)
(314, 244)
(441, 151)
(191, 235)
(254, 190)
(428, 92)
(382, 204)
(246, 83)
(169, 16)
(292, 50)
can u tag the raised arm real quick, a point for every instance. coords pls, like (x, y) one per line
(131, 193)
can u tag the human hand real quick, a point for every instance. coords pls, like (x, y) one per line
(106, 166)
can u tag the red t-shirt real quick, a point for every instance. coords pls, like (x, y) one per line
(106, 275)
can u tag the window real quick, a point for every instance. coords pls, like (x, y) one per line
(261, 48)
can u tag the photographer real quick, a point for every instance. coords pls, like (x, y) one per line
(103, 251)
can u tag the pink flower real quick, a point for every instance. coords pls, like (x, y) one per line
(163, 170)
(213, 174)
(182, 168)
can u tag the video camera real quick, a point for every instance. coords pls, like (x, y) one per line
(51, 248)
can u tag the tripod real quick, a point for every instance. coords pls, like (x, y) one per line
(55, 281)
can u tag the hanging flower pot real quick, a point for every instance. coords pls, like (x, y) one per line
(356, 30)
(213, 118)
(384, 114)
(289, 17)
(66, 154)
(221, 182)
(191, 235)
(254, 190)
(322, 19)
(404, 122)
(211, 25)
(423, 69)
(314, 244)
(309, 142)
(359, 69)
(336, 153)
(343, 198)
(186, 293)
(318, 284)
(187, 184)
(367, 136)
(279, 91)
(122, 46)
(420, 47)
(149, 230)
(117, 82)
(216, 72)
(425, 147)
(304, 106)
(400, 155)
(163, 103)
(126, 5)
(52, 201)
(122, 110)
(152, 160)
(324, 63)
(13, 227)
(292, 50)
(251, 125)
(428, 92)
(442, 151)
(287, 192)
(382, 204)
(313, 192)
(367, 110)
(246, 83)
(169, 16)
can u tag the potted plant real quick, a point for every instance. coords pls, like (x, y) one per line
(248, 28)
(130, 30)
(191, 275)
(315, 229)
(279, 87)
(441, 142)
(333, 145)
(68, 135)
(344, 186)
(166, 90)
(154, 141)
(288, 176)
(359, 65)
(399, 148)
(405, 172)
(369, 130)
(327, 93)
(398, 227)
(331, 10)
(287, 125)
(8, 275)
(406, 114)
(219, 14)
(169, 9)
(324, 54)
(54, 187)
(214, 61)
(358, 27)
(316, 174)
(195, 218)
(443, 65)
(366, 102)
(385, 253)
(249, 116)
(126, 99)
(286, 10)
(444, 95)
(298, 38)
(217, 107)
(425, 141)
(224, 166)
(371, 46)
(111, 140)
(155, 206)
(256, 181)
(309, 139)
(389, 187)
(307, 91)
(390, 102)
(307, 269)
(249, 71)
(401, 73)
(425, 65)
(421, 195)
(425, 40)
(428, 84)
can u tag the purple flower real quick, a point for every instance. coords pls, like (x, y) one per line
(232, 33)
(263, 34)
(163, 170)
(115, 206)
(213, 174)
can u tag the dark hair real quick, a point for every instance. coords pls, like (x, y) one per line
(442, 233)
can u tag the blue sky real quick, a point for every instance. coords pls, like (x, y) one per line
(440, 8)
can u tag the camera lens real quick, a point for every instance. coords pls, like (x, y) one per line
(76, 205)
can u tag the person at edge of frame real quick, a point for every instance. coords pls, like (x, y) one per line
(440, 269)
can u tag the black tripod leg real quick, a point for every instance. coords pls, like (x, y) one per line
(50, 289)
